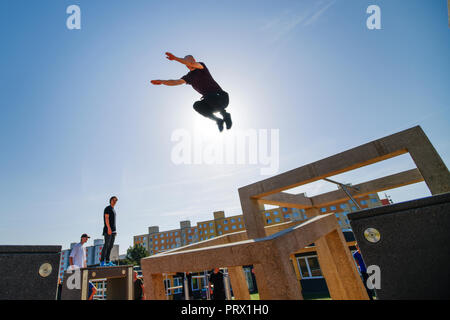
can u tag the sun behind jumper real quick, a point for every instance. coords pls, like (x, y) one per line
(213, 99)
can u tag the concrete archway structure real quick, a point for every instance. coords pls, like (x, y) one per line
(268, 248)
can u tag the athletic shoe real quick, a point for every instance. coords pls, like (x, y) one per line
(220, 124)
(227, 119)
(102, 264)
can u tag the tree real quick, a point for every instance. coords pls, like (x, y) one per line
(135, 254)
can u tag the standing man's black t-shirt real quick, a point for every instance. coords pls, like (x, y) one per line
(202, 81)
(112, 220)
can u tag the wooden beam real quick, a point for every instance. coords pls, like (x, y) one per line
(284, 199)
(377, 185)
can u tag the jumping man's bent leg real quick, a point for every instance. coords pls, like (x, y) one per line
(205, 110)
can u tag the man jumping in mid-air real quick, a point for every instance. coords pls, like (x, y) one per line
(214, 99)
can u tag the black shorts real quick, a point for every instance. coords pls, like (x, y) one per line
(213, 102)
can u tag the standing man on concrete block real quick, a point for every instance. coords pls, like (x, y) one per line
(213, 100)
(109, 232)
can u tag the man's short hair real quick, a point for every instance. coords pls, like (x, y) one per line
(111, 199)
(190, 58)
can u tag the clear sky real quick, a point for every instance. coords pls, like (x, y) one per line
(80, 122)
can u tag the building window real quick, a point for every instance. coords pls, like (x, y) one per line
(239, 219)
(287, 216)
(201, 232)
(201, 239)
(177, 282)
(204, 226)
(277, 219)
(333, 208)
(156, 248)
(309, 267)
(162, 247)
(190, 237)
(219, 226)
(343, 206)
(206, 231)
(226, 228)
(220, 233)
(233, 221)
(189, 231)
(240, 226)
(225, 221)
(176, 233)
(269, 221)
(373, 200)
(210, 224)
(295, 214)
(233, 227)
(162, 241)
(354, 208)
(156, 241)
(284, 209)
(267, 214)
(211, 231)
(363, 202)
(323, 210)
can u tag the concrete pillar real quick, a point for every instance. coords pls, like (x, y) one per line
(312, 212)
(276, 279)
(154, 287)
(238, 283)
(430, 164)
(338, 268)
(251, 210)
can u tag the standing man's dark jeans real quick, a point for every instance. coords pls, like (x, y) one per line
(109, 243)
(212, 102)
(365, 276)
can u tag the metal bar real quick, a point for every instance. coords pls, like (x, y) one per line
(208, 294)
(344, 188)
(226, 280)
(341, 184)
(186, 288)
(350, 196)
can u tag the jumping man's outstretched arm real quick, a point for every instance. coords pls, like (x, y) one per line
(169, 82)
(188, 62)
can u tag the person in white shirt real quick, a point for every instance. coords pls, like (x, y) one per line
(77, 258)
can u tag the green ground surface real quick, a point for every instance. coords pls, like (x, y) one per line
(255, 296)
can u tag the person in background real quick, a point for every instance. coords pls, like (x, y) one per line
(77, 258)
(92, 291)
(138, 287)
(363, 270)
(216, 279)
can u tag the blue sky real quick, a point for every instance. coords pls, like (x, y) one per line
(80, 121)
